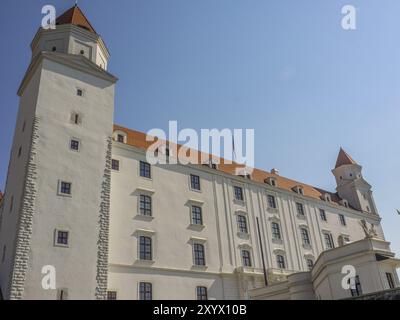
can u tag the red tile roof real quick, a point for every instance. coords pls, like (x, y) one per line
(76, 17)
(138, 139)
(344, 159)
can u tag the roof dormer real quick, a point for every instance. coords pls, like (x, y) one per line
(298, 189)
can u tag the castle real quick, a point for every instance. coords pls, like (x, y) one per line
(80, 196)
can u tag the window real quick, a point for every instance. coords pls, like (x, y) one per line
(310, 264)
(238, 193)
(357, 290)
(74, 145)
(3, 258)
(11, 204)
(322, 214)
(24, 126)
(305, 236)
(300, 209)
(145, 205)
(111, 295)
(242, 224)
(115, 164)
(199, 257)
(390, 280)
(82, 52)
(65, 188)
(63, 294)
(328, 241)
(276, 231)
(342, 219)
(145, 248)
(120, 138)
(19, 151)
(280, 260)
(54, 49)
(201, 293)
(62, 238)
(197, 215)
(271, 202)
(194, 182)
(145, 291)
(79, 92)
(246, 258)
(145, 170)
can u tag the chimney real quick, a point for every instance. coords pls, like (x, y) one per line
(275, 171)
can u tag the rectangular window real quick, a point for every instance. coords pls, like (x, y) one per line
(390, 280)
(145, 291)
(201, 293)
(242, 224)
(79, 92)
(328, 241)
(145, 205)
(271, 202)
(145, 248)
(194, 182)
(115, 164)
(276, 231)
(305, 236)
(74, 145)
(199, 256)
(281, 261)
(197, 216)
(65, 188)
(238, 193)
(357, 290)
(145, 170)
(310, 264)
(300, 209)
(120, 138)
(246, 258)
(62, 238)
(342, 219)
(322, 214)
(111, 295)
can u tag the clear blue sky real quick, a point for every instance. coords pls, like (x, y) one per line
(285, 68)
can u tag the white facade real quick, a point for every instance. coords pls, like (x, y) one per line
(67, 96)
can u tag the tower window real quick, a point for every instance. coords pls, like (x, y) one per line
(246, 258)
(242, 224)
(238, 193)
(201, 293)
(322, 214)
(115, 165)
(300, 209)
(342, 219)
(111, 295)
(74, 145)
(310, 264)
(195, 182)
(199, 255)
(271, 202)
(145, 291)
(356, 290)
(76, 118)
(280, 260)
(19, 152)
(54, 49)
(390, 280)
(11, 204)
(145, 248)
(145, 205)
(276, 231)
(145, 170)
(24, 126)
(79, 92)
(65, 188)
(62, 238)
(305, 236)
(197, 215)
(3, 258)
(328, 241)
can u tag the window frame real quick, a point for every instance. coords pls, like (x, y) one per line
(305, 236)
(145, 207)
(196, 215)
(73, 141)
(246, 258)
(62, 187)
(242, 224)
(145, 248)
(195, 185)
(115, 292)
(302, 212)
(328, 236)
(238, 191)
(201, 293)
(280, 261)
(118, 167)
(199, 256)
(145, 291)
(57, 238)
(322, 215)
(276, 231)
(342, 219)
(271, 204)
(145, 170)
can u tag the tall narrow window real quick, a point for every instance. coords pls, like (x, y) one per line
(271, 202)
(357, 289)
(145, 205)
(310, 264)
(195, 182)
(300, 209)
(145, 170)
(238, 193)
(246, 258)
(342, 219)
(11, 204)
(276, 231)
(201, 293)
(328, 241)
(24, 126)
(390, 280)
(197, 215)
(115, 165)
(199, 255)
(322, 214)
(145, 248)
(145, 291)
(76, 118)
(3, 258)
(79, 92)
(242, 224)
(120, 138)
(19, 152)
(305, 236)
(280, 260)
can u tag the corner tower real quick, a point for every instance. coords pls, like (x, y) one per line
(56, 205)
(351, 184)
